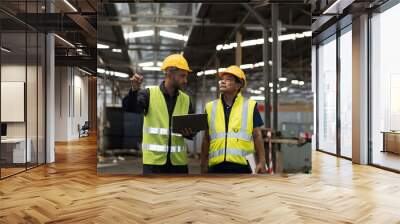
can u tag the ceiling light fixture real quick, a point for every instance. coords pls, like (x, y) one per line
(70, 5)
(101, 70)
(173, 35)
(150, 64)
(84, 71)
(152, 68)
(257, 98)
(283, 79)
(144, 33)
(246, 66)
(5, 50)
(121, 74)
(260, 41)
(112, 73)
(64, 40)
(102, 46)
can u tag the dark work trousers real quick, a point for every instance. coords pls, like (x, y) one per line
(228, 167)
(167, 168)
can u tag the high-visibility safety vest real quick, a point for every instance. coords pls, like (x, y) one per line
(157, 130)
(234, 144)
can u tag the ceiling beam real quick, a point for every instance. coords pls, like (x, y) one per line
(209, 24)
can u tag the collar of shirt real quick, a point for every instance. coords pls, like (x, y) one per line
(225, 104)
(165, 92)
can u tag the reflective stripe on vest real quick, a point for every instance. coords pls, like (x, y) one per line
(242, 134)
(236, 152)
(235, 142)
(157, 134)
(162, 148)
(159, 131)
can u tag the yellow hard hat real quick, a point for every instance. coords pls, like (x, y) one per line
(236, 71)
(175, 60)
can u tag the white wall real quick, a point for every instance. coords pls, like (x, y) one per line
(71, 94)
(14, 73)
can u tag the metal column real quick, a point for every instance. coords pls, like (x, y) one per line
(238, 50)
(276, 65)
(267, 80)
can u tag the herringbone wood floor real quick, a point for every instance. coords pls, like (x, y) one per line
(70, 191)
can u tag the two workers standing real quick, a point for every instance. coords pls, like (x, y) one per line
(233, 123)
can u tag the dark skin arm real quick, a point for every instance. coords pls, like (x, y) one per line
(204, 152)
(259, 147)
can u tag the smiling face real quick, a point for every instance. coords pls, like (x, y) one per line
(229, 83)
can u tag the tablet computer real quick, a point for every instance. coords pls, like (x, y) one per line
(196, 122)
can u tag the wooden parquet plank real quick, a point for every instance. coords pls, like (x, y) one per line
(70, 191)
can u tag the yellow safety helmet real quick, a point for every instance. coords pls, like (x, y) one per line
(175, 60)
(236, 71)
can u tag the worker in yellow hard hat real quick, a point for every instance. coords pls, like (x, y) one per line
(234, 131)
(163, 151)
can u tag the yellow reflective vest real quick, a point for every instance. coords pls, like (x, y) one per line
(157, 130)
(234, 144)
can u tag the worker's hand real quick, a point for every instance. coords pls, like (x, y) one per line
(136, 81)
(260, 168)
(188, 132)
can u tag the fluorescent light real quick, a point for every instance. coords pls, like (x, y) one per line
(112, 73)
(226, 46)
(86, 72)
(116, 50)
(64, 40)
(283, 79)
(262, 88)
(101, 71)
(259, 64)
(152, 68)
(146, 64)
(295, 82)
(102, 46)
(257, 97)
(210, 72)
(173, 35)
(284, 89)
(307, 33)
(246, 66)
(5, 50)
(247, 43)
(150, 63)
(70, 5)
(301, 83)
(144, 33)
(121, 74)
